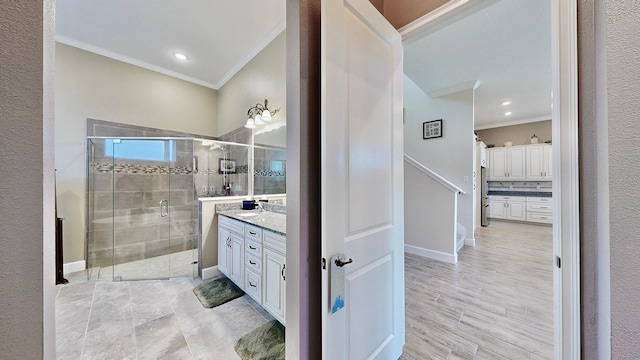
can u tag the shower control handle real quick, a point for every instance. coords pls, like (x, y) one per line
(164, 208)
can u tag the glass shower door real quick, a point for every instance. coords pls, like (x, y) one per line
(141, 208)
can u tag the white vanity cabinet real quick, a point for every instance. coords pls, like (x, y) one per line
(254, 259)
(274, 274)
(231, 249)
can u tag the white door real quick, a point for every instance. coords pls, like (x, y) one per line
(362, 180)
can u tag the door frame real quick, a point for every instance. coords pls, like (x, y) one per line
(566, 222)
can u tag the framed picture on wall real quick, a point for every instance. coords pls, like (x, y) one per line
(226, 166)
(432, 129)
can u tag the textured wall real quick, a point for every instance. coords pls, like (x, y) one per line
(27, 210)
(623, 98)
(93, 86)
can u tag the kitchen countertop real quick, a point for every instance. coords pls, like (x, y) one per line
(521, 193)
(267, 220)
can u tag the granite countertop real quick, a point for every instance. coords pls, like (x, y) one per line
(521, 193)
(267, 220)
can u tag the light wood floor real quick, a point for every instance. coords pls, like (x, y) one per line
(496, 303)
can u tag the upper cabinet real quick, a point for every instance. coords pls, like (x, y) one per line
(506, 163)
(518, 163)
(539, 162)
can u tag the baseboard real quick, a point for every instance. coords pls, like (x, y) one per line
(210, 272)
(470, 241)
(431, 254)
(73, 267)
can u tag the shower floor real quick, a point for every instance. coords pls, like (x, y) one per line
(175, 265)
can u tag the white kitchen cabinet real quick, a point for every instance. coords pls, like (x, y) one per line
(506, 163)
(539, 165)
(540, 210)
(508, 207)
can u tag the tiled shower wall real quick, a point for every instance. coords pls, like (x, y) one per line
(270, 170)
(124, 200)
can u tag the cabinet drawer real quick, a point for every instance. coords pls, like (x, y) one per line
(253, 262)
(540, 207)
(232, 225)
(547, 200)
(253, 233)
(275, 241)
(540, 218)
(253, 285)
(253, 247)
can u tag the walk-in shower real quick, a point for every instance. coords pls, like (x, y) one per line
(142, 202)
(141, 209)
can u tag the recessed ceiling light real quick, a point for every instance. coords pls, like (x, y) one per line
(508, 113)
(506, 103)
(180, 56)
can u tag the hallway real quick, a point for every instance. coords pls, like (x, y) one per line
(496, 303)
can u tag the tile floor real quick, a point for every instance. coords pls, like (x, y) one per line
(496, 303)
(147, 320)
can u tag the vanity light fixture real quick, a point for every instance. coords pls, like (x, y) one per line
(259, 115)
(180, 56)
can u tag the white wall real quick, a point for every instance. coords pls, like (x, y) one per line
(264, 77)
(27, 236)
(428, 216)
(93, 86)
(451, 156)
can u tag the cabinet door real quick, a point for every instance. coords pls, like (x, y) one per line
(273, 289)
(516, 210)
(235, 258)
(497, 209)
(515, 163)
(547, 157)
(497, 164)
(535, 163)
(224, 241)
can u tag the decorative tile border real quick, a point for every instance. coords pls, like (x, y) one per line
(141, 169)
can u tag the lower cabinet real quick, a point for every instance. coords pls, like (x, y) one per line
(254, 259)
(274, 278)
(531, 209)
(508, 207)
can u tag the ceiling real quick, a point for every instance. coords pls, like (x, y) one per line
(219, 37)
(505, 47)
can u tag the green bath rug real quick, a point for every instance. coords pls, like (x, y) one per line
(217, 292)
(263, 343)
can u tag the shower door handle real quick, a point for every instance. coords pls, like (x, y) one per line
(164, 208)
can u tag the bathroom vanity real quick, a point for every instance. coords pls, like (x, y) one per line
(252, 253)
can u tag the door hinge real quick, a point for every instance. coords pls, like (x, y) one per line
(324, 264)
(558, 262)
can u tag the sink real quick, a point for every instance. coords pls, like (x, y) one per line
(248, 214)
